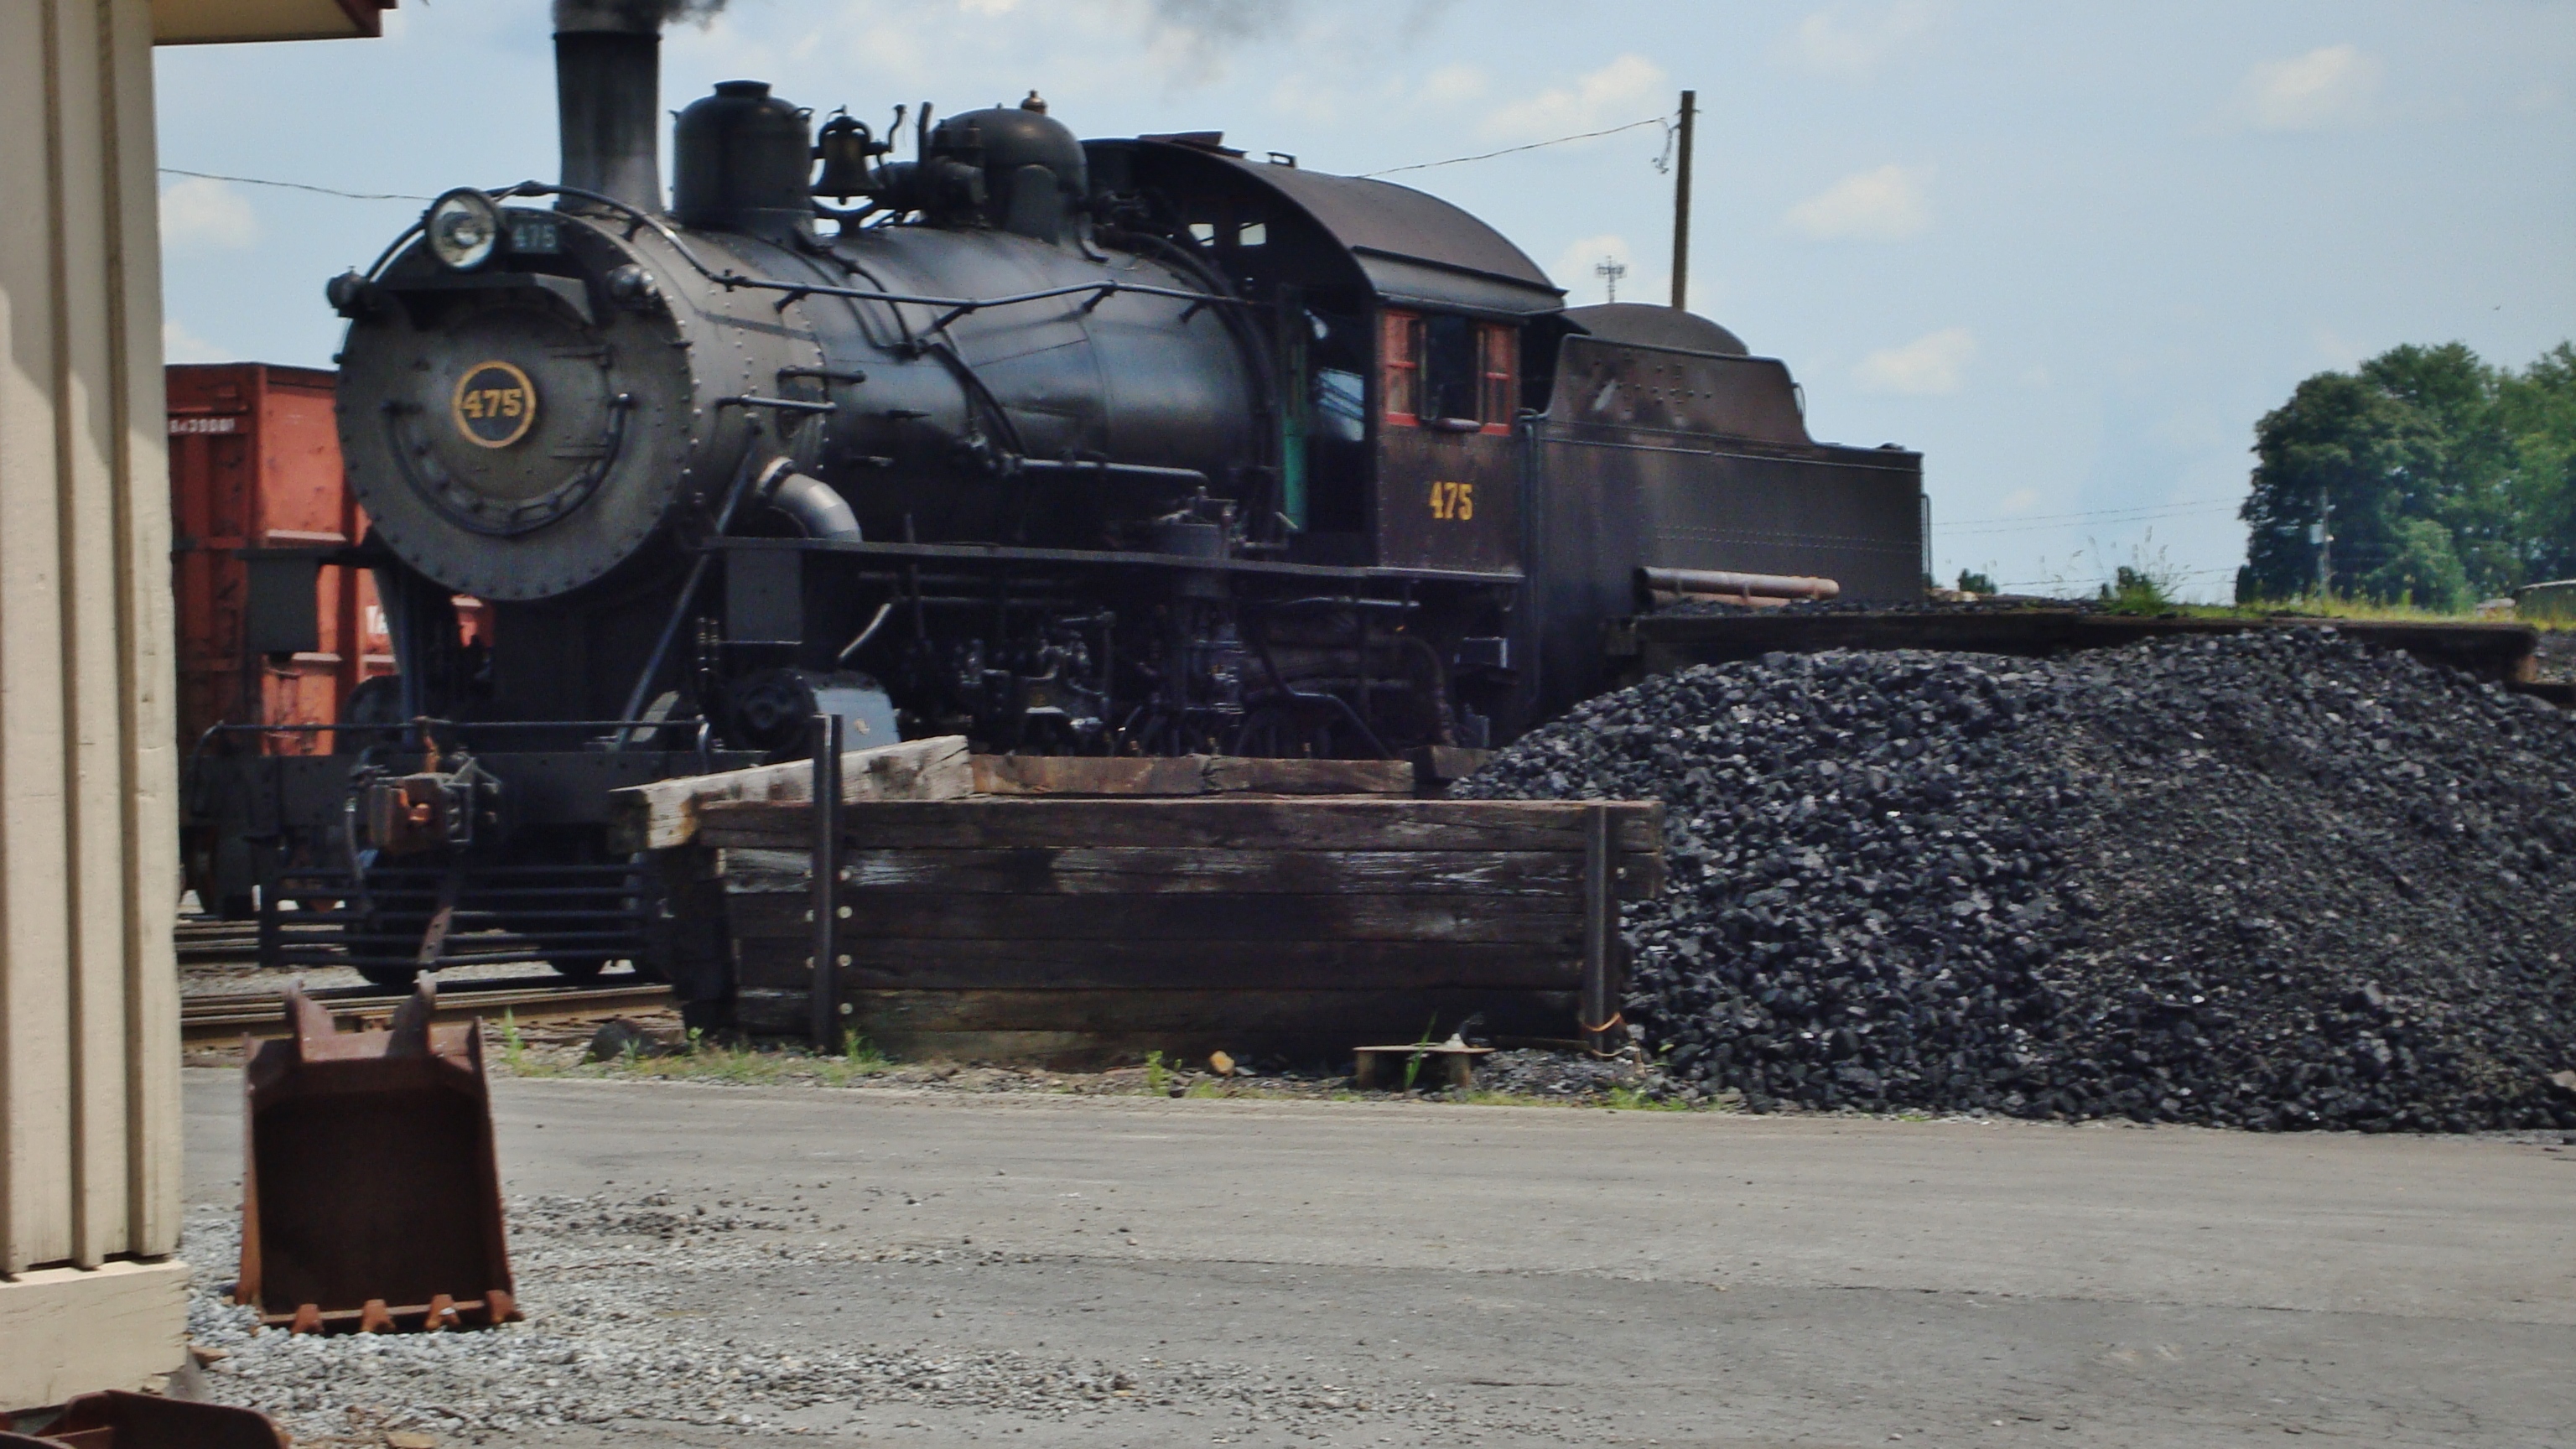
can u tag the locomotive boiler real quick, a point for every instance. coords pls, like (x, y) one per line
(1140, 446)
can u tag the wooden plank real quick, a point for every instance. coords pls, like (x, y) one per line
(1441, 764)
(878, 964)
(907, 915)
(1073, 1029)
(1230, 773)
(70, 1331)
(1340, 1019)
(1201, 824)
(1124, 870)
(1187, 775)
(771, 1011)
(667, 813)
(1087, 775)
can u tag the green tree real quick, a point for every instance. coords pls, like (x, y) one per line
(2437, 477)
(2425, 569)
(2538, 409)
(2337, 455)
(2462, 479)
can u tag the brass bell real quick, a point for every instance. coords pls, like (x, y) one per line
(846, 148)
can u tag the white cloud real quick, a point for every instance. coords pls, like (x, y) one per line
(1627, 89)
(1882, 205)
(1854, 44)
(2327, 87)
(2021, 500)
(2196, 430)
(201, 214)
(1577, 272)
(1454, 84)
(178, 344)
(1928, 366)
(2336, 350)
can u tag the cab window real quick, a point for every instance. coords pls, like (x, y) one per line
(1447, 370)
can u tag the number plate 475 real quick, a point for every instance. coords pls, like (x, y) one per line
(1453, 502)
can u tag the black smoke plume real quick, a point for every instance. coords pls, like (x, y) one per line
(645, 16)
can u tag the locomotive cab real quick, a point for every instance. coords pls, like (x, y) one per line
(1398, 324)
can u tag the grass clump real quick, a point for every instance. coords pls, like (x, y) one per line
(1631, 1099)
(733, 1061)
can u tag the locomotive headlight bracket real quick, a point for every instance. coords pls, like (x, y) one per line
(464, 229)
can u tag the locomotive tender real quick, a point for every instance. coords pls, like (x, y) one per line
(1128, 446)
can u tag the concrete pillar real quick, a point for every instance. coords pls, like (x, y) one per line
(90, 1296)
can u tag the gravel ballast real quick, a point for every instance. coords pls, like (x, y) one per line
(637, 1321)
(2273, 880)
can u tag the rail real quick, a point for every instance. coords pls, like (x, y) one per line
(230, 1015)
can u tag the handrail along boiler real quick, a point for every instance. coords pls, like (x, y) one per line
(1126, 446)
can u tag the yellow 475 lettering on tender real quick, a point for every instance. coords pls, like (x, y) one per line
(1455, 502)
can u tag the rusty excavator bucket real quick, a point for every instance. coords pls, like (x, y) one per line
(115, 1419)
(370, 1199)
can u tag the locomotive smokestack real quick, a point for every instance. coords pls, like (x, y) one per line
(608, 96)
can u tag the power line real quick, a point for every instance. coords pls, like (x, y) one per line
(2173, 576)
(1515, 150)
(2131, 522)
(296, 186)
(2098, 512)
(1371, 175)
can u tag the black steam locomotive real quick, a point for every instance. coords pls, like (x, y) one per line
(1115, 447)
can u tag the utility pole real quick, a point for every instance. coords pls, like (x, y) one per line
(2321, 533)
(1681, 204)
(1610, 271)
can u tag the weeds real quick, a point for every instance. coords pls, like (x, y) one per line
(514, 1049)
(1158, 1077)
(1629, 1099)
(2136, 591)
(705, 1059)
(2330, 606)
(1421, 1045)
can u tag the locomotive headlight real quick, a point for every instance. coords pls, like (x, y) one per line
(463, 227)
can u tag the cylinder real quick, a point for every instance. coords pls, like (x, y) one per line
(608, 94)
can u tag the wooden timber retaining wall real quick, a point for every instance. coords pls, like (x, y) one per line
(1077, 930)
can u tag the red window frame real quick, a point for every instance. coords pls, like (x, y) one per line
(1498, 359)
(1399, 349)
(1401, 338)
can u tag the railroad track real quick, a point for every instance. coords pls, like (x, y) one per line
(205, 941)
(230, 1015)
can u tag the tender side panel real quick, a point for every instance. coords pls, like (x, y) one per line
(1608, 501)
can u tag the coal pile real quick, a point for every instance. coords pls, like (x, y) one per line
(2274, 880)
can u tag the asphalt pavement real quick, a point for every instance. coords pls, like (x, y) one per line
(1528, 1276)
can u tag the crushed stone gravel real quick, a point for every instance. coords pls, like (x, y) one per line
(617, 1334)
(2273, 880)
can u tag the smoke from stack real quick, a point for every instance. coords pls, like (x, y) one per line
(629, 17)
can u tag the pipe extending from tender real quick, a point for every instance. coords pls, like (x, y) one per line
(1673, 585)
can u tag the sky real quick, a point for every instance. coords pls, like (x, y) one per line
(2072, 253)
